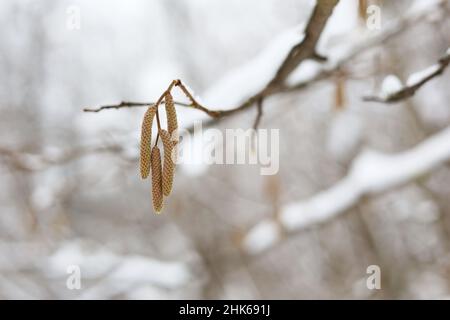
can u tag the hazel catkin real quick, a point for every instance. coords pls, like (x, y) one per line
(169, 164)
(172, 124)
(157, 195)
(146, 140)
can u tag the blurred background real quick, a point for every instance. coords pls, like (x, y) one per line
(70, 191)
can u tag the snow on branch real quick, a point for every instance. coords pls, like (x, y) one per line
(302, 50)
(234, 88)
(307, 48)
(414, 83)
(287, 53)
(115, 274)
(368, 40)
(372, 172)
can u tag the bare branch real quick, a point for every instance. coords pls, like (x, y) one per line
(128, 104)
(411, 89)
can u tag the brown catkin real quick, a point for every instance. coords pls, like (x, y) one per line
(172, 124)
(157, 195)
(362, 9)
(169, 165)
(146, 140)
(339, 94)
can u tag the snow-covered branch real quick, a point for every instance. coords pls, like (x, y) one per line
(306, 49)
(303, 49)
(372, 172)
(116, 274)
(414, 83)
(339, 59)
(286, 54)
(250, 79)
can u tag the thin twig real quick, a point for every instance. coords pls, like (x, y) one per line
(409, 91)
(23, 160)
(158, 122)
(259, 108)
(195, 104)
(128, 104)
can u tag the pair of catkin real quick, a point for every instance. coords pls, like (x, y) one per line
(162, 173)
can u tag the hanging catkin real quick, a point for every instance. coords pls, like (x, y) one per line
(172, 124)
(362, 9)
(339, 94)
(162, 173)
(169, 165)
(146, 140)
(157, 195)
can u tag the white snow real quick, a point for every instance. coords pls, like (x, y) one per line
(261, 236)
(137, 268)
(192, 92)
(116, 273)
(238, 85)
(417, 77)
(321, 207)
(306, 71)
(420, 5)
(253, 76)
(371, 172)
(391, 84)
(343, 21)
(93, 262)
(136, 271)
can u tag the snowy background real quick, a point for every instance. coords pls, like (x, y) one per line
(360, 183)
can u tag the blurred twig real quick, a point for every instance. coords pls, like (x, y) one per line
(258, 114)
(371, 173)
(409, 90)
(30, 162)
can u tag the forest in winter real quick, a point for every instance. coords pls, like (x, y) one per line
(193, 149)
